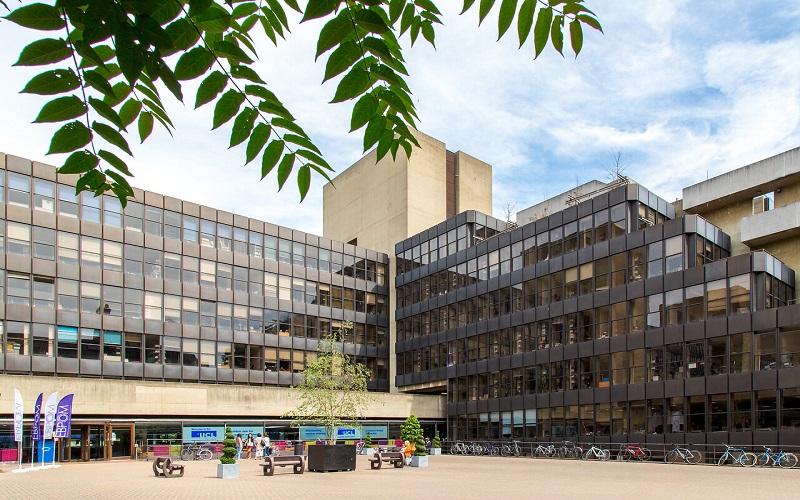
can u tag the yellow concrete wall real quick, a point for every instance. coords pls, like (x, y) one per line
(473, 185)
(728, 219)
(131, 399)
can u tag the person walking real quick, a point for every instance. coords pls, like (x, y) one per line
(259, 446)
(239, 447)
(249, 444)
(265, 443)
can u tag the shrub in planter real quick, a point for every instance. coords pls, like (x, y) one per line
(228, 468)
(436, 445)
(368, 449)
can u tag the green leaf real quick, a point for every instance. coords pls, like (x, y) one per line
(276, 8)
(257, 140)
(542, 29)
(197, 7)
(242, 126)
(396, 10)
(284, 169)
(145, 125)
(194, 63)
(183, 35)
(246, 73)
(484, 9)
(384, 144)
(407, 18)
(525, 20)
(210, 88)
(370, 21)
(427, 5)
(354, 83)
(91, 181)
(129, 55)
(243, 10)
(61, 109)
(79, 162)
(508, 8)
(334, 31)
(122, 185)
(115, 161)
(99, 82)
(106, 112)
(375, 129)
(342, 58)
(314, 157)
(363, 111)
(214, 20)
(467, 5)
(576, 36)
(112, 136)
(386, 74)
(591, 21)
(52, 82)
(72, 136)
(121, 91)
(46, 51)
(151, 32)
(37, 16)
(271, 156)
(130, 111)
(287, 125)
(301, 141)
(319, 8)
(232, 52)
(428, 33)
(89, 54)
(293, 5)
(556, 35)
(227, 107)
(303, 181)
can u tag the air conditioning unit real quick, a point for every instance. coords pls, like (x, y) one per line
(760, 204)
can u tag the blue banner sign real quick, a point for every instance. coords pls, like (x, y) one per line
(244, 430)
(203, 433)
(318, 433)
(375, 431)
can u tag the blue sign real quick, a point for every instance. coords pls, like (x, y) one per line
(203, 433)
(45, 451)
(318, 433)
(244, 430)
(375, 431)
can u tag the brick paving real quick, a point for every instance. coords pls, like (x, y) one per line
(446, 477)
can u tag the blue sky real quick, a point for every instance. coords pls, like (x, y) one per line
(685, 89)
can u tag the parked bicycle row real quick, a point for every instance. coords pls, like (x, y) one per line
(732, 455)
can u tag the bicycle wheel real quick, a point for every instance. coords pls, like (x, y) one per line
(722, 459)
(645, 455)
(562, 453)
(586, 455)
(788, 461)
(671, 457)
(749, 459)
(605, 455)
(693, 457)
(186, 454)
(762, 459)
(517, 451)
(204, 454)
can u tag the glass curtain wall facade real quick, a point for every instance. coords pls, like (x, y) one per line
(168, 290)
(609, 321)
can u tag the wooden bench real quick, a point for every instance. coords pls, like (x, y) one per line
(163, 467)
(296, 461)
(393, 457)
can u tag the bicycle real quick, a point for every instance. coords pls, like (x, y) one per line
(490, 449)
(540, 451)
(194, 451)
(737, 456)
(781, 459)
(629, 451)
(458, 449)
(596, 452)
(570, 450)
(688, 456)
(511, 449)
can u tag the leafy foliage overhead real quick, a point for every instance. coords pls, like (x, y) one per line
(107, 64)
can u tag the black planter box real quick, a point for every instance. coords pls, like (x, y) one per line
(330, 458)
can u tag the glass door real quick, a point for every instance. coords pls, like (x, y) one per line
(96, 443)
(121, 443)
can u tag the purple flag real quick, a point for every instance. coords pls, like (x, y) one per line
(37, 419)
(18, 418)
(63, 417)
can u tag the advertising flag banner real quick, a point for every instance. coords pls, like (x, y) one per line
(63, 417)
(37, 419)
(50, 415)
(17, 416)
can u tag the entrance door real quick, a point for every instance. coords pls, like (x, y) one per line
(121, 441)
(96, 444)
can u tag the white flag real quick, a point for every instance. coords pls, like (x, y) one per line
(17, 416)
(50, 415)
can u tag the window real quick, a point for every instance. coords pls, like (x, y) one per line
(271, 286)
(90, 207)
(739, 291)
(673, 254)
(153, 263)
(172, 225)
(44, 196)
(696, 417)
(172, 309)
(618, 265)
(112, 300)
(240, 240)
(152, 306)
(17, 338)
(585, 232)
(739, 353)
(172, 350)
(44, 292)
(673, 356)
(112, 211)
(190, 311)
(224, 276)
(44, 243)
(134, 213)
(90, 298)
(256, 282)
(19, 289)
(191, 352)
(112, 255)
(766, 410)
(224, 235)
(67, 342)
(153, 218)
(655, 304)
(208, 271)
(695, 310)
(133, 303)
(43, 340)
(19, 190)
(191, 267)
(90, 343)
(618, 220)
(208, 313)
(695, 359)
(240, 278)
(673, 301)
(285, 251)
(90, 252)
(271, 250)
(655, 262)
(790, 409)
(67, 201)
(764, 351)
(636, 264)
(224, 313)
(570, 237)
(19, 239)
(152, 349)
(190, 229)
(717, 355)
(741, 411)
(208, 233)
(67, 295)
(555, 242)
(256, 245)
(172, 266)
(133, 260)
(133, 347)
(715, 298)
(224, 355)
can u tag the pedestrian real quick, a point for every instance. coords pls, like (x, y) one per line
(239, 446)
(427, 444)
(249, 444)
(265, 444)
(259, 446)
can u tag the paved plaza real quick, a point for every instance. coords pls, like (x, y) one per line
(446, 477)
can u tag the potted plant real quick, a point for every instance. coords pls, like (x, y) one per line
(228, 468)
(412, 432)
(333, 394)
(436, 445)
(368, 449)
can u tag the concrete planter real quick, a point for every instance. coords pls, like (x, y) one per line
(368, 451)
(419, 461)
(227, 471)
(435, 451)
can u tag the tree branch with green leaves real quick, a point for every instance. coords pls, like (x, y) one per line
(118, 57)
